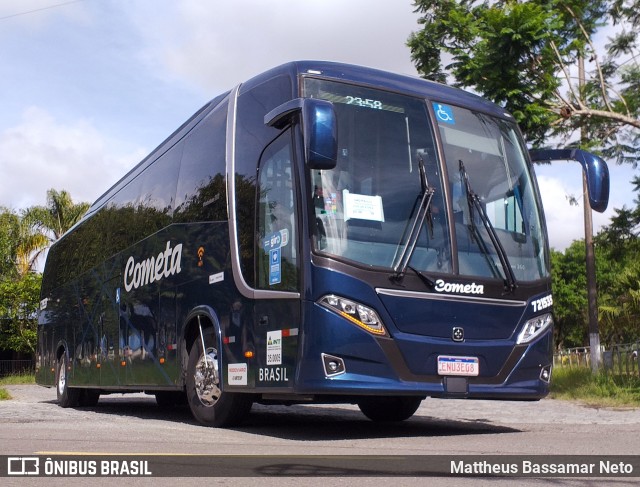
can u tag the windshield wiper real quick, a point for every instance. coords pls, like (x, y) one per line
(412, 230)
(473, 201)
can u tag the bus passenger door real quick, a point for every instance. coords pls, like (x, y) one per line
(277, 318)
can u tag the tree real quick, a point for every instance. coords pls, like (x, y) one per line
(58, 216)
(620, 298)
(24, 235)
(618, 294)
(524, 55)
(620, 305)
(20, 244)
(8, 236)
(39, 226)
(617, 249)
(19, 301)
(30, 244)
(569, 296)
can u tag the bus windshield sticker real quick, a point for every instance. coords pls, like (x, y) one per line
(274, 266)
(276, 240)
(362, 206)
(444, 113)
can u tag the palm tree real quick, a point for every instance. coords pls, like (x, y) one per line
(30, 245)
(20, 244)
(33, 230)
(58, 216)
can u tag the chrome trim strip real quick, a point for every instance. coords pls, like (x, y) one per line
(241, 284)
(244, 288)
(449, 297)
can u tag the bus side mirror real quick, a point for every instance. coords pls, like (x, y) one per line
(595, 170)
(319, 129)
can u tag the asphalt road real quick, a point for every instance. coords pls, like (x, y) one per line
(32, 423)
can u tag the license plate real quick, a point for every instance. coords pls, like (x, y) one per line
(466, 366)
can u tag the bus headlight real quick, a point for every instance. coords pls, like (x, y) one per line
(535, 327)
(358, 314)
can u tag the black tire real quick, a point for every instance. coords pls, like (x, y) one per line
(68, 397)
(389, 409)
(209, 404)
(89, 398)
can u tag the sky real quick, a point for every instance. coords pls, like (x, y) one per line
(90, 87)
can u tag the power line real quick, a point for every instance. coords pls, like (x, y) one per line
(40, 9)
(631, 59)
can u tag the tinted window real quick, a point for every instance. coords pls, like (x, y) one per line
(201, 190)
(142, 207)
(252, 136)
(277, 259)
(366, 206)
(74, 254)
(485, 157)
(158, 182)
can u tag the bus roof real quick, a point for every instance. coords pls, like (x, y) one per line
(405, 84)
(400, 83)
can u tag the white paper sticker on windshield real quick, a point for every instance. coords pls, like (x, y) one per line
(362, 206)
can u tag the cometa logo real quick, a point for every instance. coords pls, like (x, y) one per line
(456, 287)
(153, 269)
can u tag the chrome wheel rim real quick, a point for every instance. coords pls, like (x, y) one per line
(207, 378)
(62, 377)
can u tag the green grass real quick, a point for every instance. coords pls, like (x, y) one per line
(600, 390)
(16, 379)
(11, 380)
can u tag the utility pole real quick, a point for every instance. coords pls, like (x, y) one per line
(592, 290)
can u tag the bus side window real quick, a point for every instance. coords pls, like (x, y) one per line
(277, 260)
(201, 190)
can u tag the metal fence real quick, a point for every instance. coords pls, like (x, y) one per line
(12, 367)
(622, 359)
(573, 357)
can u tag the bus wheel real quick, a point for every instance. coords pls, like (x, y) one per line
(394, 408)
(67, 396)
(208, 403)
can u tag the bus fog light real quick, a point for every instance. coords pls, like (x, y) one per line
(332, 365)
(545, 374)
(534, 328)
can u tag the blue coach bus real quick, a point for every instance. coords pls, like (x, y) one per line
(321, 233)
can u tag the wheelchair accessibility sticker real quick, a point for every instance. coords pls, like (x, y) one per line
(444, 113)
(274, 266)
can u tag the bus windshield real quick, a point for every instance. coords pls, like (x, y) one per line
(365, 206)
